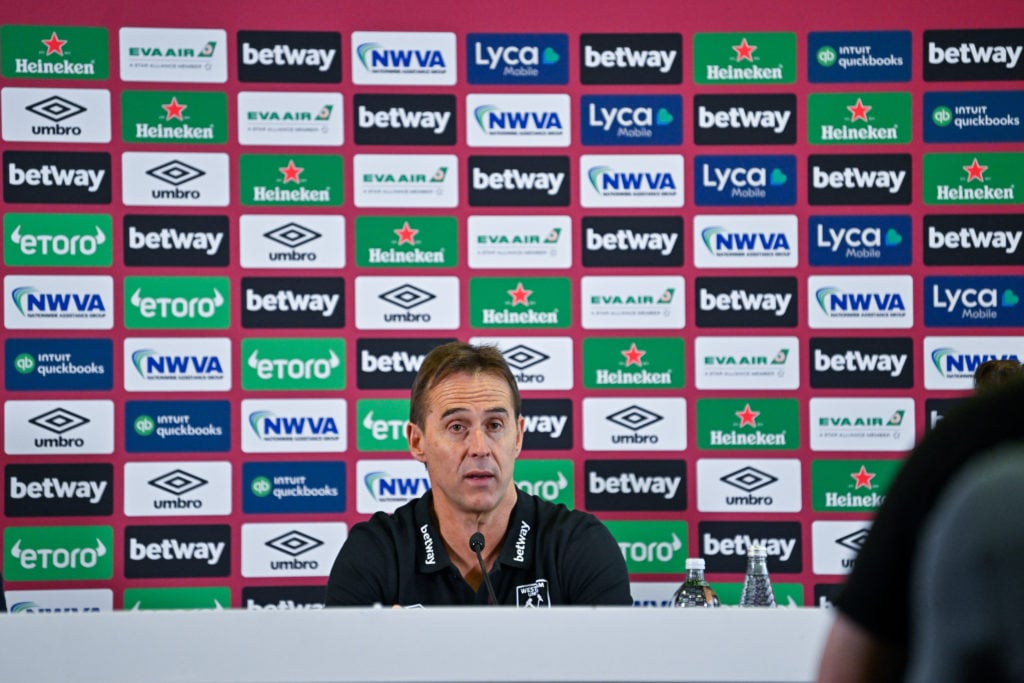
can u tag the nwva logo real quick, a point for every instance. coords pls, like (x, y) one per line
(606, 180)
(517, 58)
(861, 301)
(654, 180)
(746, 181)
(745, 241)
(835, 300)
(492, 119)
(376, 56)
(30, 300)
(974, 301)
(384, 487)
(403, 58)
(266, 424)
(719, 240)
(952, 363)
(152, 365)
(302, 425)
(859, 179)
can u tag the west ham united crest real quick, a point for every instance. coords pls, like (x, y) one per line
(533, 594)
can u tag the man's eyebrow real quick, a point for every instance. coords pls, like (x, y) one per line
(501, 410)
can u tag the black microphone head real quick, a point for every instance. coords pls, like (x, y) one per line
(476, 542)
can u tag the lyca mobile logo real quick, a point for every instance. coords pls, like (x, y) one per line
(736, 58)
(974, 301)
(65, 52)
(973, 116)
(174, 117)
(157, 179)
(405, 119)
(840, 240)
(973, 55)
(64, 240)
(859, 118)
(857, 301)
(517, 58)
(858, 56)
(56, 177)
(177, 303)
(989, 178)
(56, 115)
(177, 364)
(517, 121)
(859, 179)
(654, 180)
(951, 361)
(742, 424)
(58, 364)
(289, 56)
(58, 553)
(745, 241)
(633, 58)
(293, 364)
(631, 120)
(58, 302)
(173, 55)
(293, 425)
(651, 547)
(291, 180)
(974, 239)
(744, 119)
(403, 58)
(745, 180)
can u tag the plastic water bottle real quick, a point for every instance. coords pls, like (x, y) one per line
(695, 591)
(757, 587)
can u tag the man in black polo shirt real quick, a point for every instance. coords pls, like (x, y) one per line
(466, 427)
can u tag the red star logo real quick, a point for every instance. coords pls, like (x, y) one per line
(406, 234)
(859, 111)
(744, 51)
(975, 171)
(748, 417)
(174, 109)
(863, 478)
(633, 355)
(520, 295)
(54, 45)
(291, 172)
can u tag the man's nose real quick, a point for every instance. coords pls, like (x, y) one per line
(478, 441)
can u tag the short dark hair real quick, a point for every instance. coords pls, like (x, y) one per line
(993, 373)
(454, 358)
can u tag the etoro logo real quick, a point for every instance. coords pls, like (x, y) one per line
(748, 424)
(177, 303)
(859, 118)
(635, 363)
(403, 58)
(214, 598)
(173, 54)
(66, 553)
(739, 58)
(551, 480)
(973, 178)
(289, 56)
(56, 115)
(291, 180)
(381, 424)
(293, 364)
(56, 177)
(65, 52)
(67, 240)
(517, 58)
(651, 547)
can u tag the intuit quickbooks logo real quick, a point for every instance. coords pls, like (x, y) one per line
(177, 302)
(173, 55)
(275, 487)
(67, 52)
(298, 364)
(177, 426)
(858, 56)
(739, 58)
(381, 424)
(633, 363)
(66, 553)
(174, 117)
(651, 180)
(851, 485)
(860, 301)
(291, 180)
(407, 241)
(403, 58)
(631, 120)
(552, 480)
(526, 302)
(859, 118)
(748, 424)
(58, 364)
(973, 116)
(652, 547)
(517, 58)
(993, 301)
(36, 302)
(745, 180)
(58, 240)
(843, 240)
(973, 178)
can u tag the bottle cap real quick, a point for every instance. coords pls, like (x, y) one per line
(756, 551)
(695, 563)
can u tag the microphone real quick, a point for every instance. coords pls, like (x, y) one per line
(476, 544)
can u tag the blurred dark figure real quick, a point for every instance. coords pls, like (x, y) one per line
(993, 373)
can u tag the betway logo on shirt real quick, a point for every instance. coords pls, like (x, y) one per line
(406, 180)
(310, 302)
(851, 485)
(835, 545)
(859, 118)
(517, 58)
(518, 121)
(724, 545)
(627, 424)
(637, 302)
(173, 55)
(552, 480)
(403, 58)
(859, 179)
(858, 56)
(745, 180)
(289, 56)
(174, 117)
(762, 485)
(631, 120)
(391, 363)
(649, 180)
(177, 551)
(862, 424)
(983, 116)
(548, 424)
(973, 178)
(745, 241)
(974, 55)
(186, 179)
(56, 115)
(518, 181)
(67, 490)
(746, 302)
(860, 302)
(68, 239)
(309, 425)
(407, 303)
(652, 547)
(36, 302)
(635, 485)
(539, 363)
(631, 58)
(744, 58)
(405, 119)
(59, 427)
(306, 549)
(291, 180)
(745, 119)
(177, 426)
(520, 242)
(173, 489)
(176, 241)
(160, 303)
(56, 177)
(843, 240)
(950, 362)
(632, 241)
(993, 301)
(291, 118)
(748, 424)
(746, 363)
(47, 51)
(974, 239)
(542, 302)
(295, 364)
(177, 364)
(862, 362)
(292, 241)
(633, 363)
(385, 485)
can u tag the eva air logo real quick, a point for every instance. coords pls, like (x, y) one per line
(633, 363)
(71, 52)
(859, 118)
(382, 424)
(176, 55)
(211, 598)
(58, 240)
(552, 480)
(177, 302)
(851, 485)
(174, 117)
(300, 364)
(652, 547)
(742, 424)
(66, 553)
(292, 180)
(731, 58)
(412, 242)
(530, 302)
(989, 178)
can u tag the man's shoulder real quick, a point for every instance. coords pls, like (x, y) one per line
(399, 523)
(557, 518)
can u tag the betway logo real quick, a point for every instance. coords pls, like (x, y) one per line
(514, 179)
(286, 55)
(396, 361)
(630, 482)
(738, 545)
(741, 117)
(628, 58)
(171, 238)
(971, 53)
(54, 488)
(970, 238)
(286, 300)
(630, 241)
(856, 361)
(854, 178)
(546, 424)
(400, 117)
(741, 300)
(50, 175)
(173, 549)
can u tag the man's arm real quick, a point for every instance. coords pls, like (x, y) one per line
(361, 575)
(593, 569)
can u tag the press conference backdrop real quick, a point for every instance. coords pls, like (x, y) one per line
(739, 256)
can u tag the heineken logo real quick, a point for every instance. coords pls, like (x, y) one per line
(291, 180)
(744, 58)
(765, 424)
(65, 52)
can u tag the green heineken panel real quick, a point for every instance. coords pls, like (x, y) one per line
(859, 118)
(169, 117)
(744, 58)
(71, 52)
(528, 302)
(634, 363)
(973, 178)
(748, 424)
(407, 241)
(851, 485)
(292, 180)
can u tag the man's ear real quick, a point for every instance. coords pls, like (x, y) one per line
(414, 435)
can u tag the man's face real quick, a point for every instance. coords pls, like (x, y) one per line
(470, 441)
